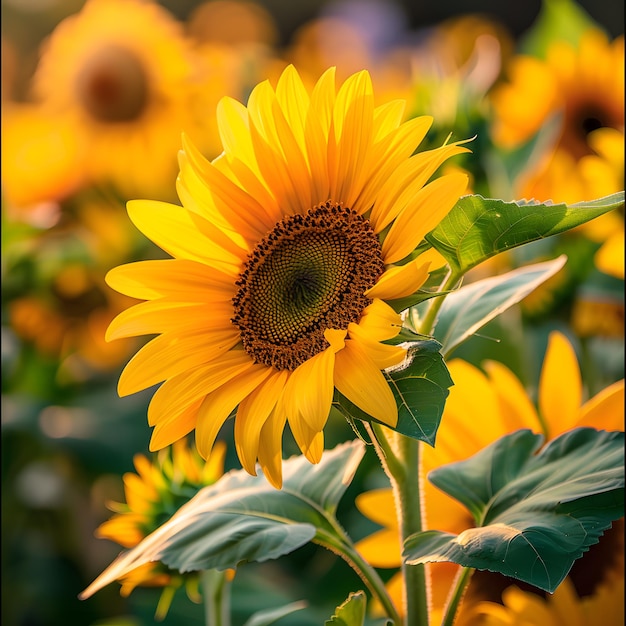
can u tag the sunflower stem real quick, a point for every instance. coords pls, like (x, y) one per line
(216, 592)
(452, 605)
(399, 456)
(429, 320)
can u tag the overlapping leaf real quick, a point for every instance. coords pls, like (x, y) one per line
(478, 228)
(536, 511)
(468, 309)
(351, 612)
(243, 518)
(420, 385)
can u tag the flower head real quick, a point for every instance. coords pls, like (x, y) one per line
(286, 250)
(153, 495)
(583, 85)
(121, 75)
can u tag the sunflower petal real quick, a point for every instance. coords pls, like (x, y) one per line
(359, 380)
(400, 281)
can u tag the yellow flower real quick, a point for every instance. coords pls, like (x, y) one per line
(119, 74)
(153, 495)
(285, 252)
(480, 409)
(564, 608)
(585, 86)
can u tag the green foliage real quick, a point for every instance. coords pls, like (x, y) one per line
(478, 228)
(351, 612)
(420, 385)
(470, 308)
(243, 518)
(265, 618)
(536, 510)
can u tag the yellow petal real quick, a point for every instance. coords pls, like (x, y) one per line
(359, 380)
(252, 414)
(181, 233)
(560, 385)
(381, 354)
(378, 505)
(382, 548)
(426, 209)
(380, 321)
(148, 280)
(170, 354)
(400, 281)
(175, 394)
(309, 441)
(605, 411)
(309, 390)
(171, 428)
(161, 316)
(218, 405)
(271, 446)
(517, 410)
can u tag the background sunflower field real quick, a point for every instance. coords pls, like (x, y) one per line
(94, 97)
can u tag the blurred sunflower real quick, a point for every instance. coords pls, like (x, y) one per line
(564, 608)
(286, 248)
(119, 74)
(480, 409)
(153, 495)
(583, 85)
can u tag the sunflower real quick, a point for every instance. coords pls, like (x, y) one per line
(119, 74)
(584, 85)
(153, 494)
(564, 608)
(286, 249)
(480, 409)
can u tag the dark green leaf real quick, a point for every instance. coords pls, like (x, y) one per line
(243, 518)
(478, 228)
(470, 308)
(351, 612)
(420, 385)
(536, 511)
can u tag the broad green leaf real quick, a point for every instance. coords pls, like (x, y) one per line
(243, 518)
(351, 612)
(536, 510)
(420, 385)
(269, 616)
(478, 228)
(470, 308)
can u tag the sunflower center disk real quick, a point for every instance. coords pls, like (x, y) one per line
(113, 85)
(308, 275)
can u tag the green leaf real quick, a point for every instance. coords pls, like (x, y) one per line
(470, 308)
(420, 386)
(351, 612)
(536, 511)
(269, 616)
(243, 518)
(478, 228)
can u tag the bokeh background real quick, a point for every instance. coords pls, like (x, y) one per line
(92, 111)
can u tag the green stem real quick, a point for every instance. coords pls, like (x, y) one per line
(345, 548)
(427, 323)
(452, 605)
(216, 592)
(400, 458)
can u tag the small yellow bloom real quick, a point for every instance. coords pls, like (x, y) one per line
(153, 495)
(286, 250)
